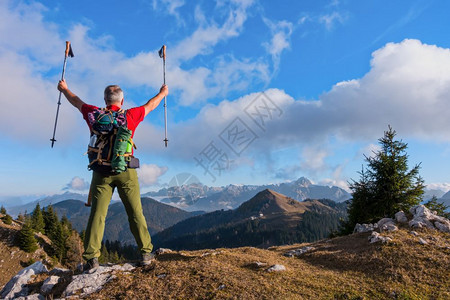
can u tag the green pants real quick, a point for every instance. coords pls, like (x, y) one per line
(102, 188)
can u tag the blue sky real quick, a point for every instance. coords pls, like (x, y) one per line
(260, 91)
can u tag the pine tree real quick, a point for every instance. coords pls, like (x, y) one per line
(37, 219)
(7, 219)
(26, 239)
(387, 186)
(439, 208)
(395, 188)
(3, 210)
(21, 217)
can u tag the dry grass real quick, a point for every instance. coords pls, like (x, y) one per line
(341, 268)
(12, 259)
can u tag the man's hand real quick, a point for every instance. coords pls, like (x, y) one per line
(164, 90)
(71, 97)
(154, 102)
(62, 86)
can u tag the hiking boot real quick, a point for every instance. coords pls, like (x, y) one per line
(147, 259)
(91, 265)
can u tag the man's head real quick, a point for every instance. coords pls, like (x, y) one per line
(113, 95)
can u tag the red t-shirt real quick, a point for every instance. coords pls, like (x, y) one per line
(134, 115)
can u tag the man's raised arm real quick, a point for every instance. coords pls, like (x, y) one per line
(71, 97)
(154, 102)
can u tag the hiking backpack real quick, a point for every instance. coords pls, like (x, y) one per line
(110, 146)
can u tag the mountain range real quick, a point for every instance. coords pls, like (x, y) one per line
(194, 197)
(269, 218)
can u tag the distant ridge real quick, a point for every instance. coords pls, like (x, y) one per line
(200, 197)
(158, 215)
(269, 218)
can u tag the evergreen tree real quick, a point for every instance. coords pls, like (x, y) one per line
(387, 186)
(7, 219)
(26, 239)
(3, 210)
(21, 217)
(104, 255)
(37, 219)
(439, 208)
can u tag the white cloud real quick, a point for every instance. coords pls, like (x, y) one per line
(77, 184)
(149, 174)
(169, 6)
(281, 34)
(313, 159)
(330, 20)
(31, 48)
(369, 150)
(207, 36)
(407, 87)
(443, 186)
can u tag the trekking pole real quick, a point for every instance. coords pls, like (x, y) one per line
(68, 52)
(162, 54)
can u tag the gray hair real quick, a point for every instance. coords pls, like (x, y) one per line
(113, 94)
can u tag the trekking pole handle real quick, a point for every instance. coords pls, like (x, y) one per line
(67, 48)
(164, 52)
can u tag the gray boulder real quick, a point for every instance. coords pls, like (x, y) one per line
(88, 283)
(16, 288)
(375, 237)
(387, 224)
(48, 284)
(423, 217)
(444, 227)
(365, 227)
(400, 217)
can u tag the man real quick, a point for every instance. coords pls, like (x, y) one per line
(103, 184)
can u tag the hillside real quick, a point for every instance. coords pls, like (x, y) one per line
(158, 215)
(341, 268)
(267, 219)
(12, 259)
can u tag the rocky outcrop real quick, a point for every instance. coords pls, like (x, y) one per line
(87, 283)
(80, 285)
(422, 218)
(16, 287)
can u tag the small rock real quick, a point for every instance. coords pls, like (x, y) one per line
(414, 233)
(257, 264)
(387, 224)
(376, 237)
(163, 251)
(276, 268)
(444, 227)
(222, 286)
(31, 297)
(48, 284)
(124, 268)
(161, 276)
(298, 252)
(400, 217)
(365, 227)
(419, 222)
(422, 241)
